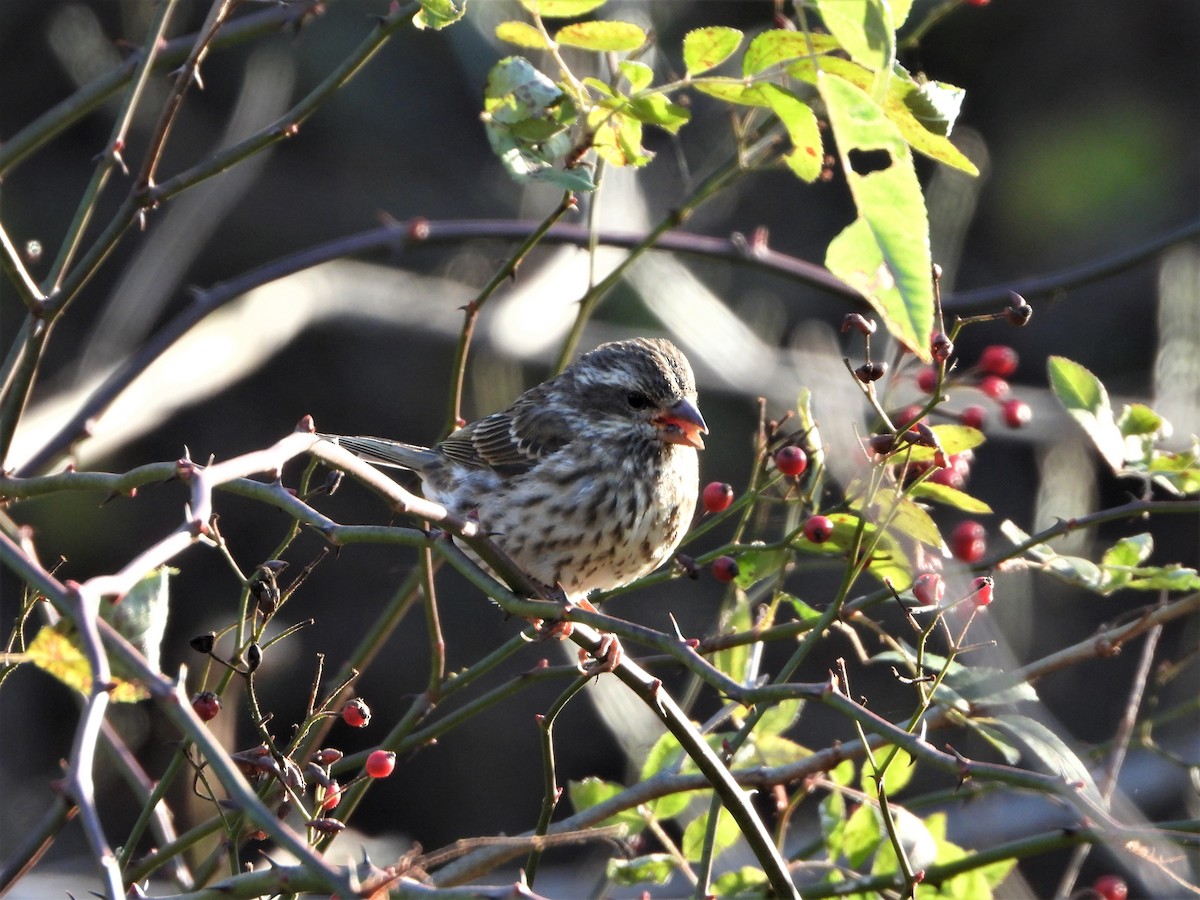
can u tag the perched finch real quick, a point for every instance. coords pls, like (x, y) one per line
(588, 481)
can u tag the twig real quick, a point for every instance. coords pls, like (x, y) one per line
(1120, 746)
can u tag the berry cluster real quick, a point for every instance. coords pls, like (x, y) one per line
(989, 376)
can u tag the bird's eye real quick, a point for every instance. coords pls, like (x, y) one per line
(638, 400)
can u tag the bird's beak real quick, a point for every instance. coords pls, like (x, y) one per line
(681, 424)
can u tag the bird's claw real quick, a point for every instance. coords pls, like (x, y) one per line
(604, 658)
(558, 630)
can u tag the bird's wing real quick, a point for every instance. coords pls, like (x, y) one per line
(510, 442)
(384, 452)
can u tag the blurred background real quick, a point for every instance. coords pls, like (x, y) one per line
(1083, 122)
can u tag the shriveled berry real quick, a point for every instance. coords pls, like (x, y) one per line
(327, 756)
(1018, 312)
(203, 643)
(1016, 413)
(973, 416)
(381, 763)
(981, 591)
(818, 529)
(941, 347)
(882, 444)
(206, 705)
(356, 714)
(968, 541)
(927, 380)
(716, 497)
(1111, 887)
(859, 323)
(872, 371)
(724, 568)
(929, 589)
(791, 461)
(998, 359)
(993, 386)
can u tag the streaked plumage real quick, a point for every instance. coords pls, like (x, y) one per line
(589, 480)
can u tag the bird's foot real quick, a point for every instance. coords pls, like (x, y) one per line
(604, 658)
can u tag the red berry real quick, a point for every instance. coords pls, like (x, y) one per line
(724, 568)
(206, 705)
(907, 414)
(791, 461)
(818, 529)
(981, 591)
(929, 589)
(717, 496)
(949, 476)
(1111, 887)
(1016, 413)
(941, 347)
(356, 713)
(381, 763)
(332, 796)
(998, 359)
(973, 416)
(993, 386)
(927, 380)
(968, 541)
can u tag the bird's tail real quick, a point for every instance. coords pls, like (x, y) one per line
(384, 452)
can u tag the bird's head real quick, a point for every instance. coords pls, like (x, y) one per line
(642, 382)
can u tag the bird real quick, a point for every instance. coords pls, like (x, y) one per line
(588, 481)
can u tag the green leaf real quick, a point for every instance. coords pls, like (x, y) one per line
(601, 36)
(654, 868)
(984, 684)
(1050, 750)
(1129, 551)
(140, 617)
(522, 35)
(1086, 400)
(843, 773)
(561, 9)
(831, 813)
(769, 750)
(727, 835)
(734, 661)
(638, 74)
(755, 564)
(707, 48)
(862, 836)
(952, 439)
(772, 47)
(667, 756)
(617, 138)
(437, 14)
(1139, 419)
(907, 105)
(906, 517)
(898, 774)
(804, 613)
(807, 155)
(885, 252)
(732, 90)
(779, 717)
(943, 493)
(1173, 577)
(864, 28)
(746, 881)
(997, 738)
(592, 791)
(526, 117)
(656, 109)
